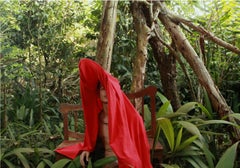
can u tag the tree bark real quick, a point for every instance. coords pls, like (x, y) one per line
(195, 62)
(205, 33)
(171, 22)
(183, 45)
(167, 68)
(106, 37)
(142, 30)
(166, 62)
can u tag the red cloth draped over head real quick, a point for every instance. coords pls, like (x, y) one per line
(127, 134)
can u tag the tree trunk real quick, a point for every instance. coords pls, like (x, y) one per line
(183, 45)
(140, 60)
(106, 38)
(195, 62)
(139, 63)
(167, 68)
(166, 62)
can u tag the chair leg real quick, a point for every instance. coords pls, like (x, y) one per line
(157, 159)
(156, 163)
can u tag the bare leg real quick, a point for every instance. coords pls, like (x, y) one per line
(105, 138)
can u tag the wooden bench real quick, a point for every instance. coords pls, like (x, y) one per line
(74, 136)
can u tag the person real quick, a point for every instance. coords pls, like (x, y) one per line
(103, 132)
(111, 116)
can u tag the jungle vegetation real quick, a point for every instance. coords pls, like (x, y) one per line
(189, 49)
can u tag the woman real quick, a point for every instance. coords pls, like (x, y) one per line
(126, 132)
(102, 131)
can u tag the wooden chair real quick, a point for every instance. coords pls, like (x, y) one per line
(72, 137)
(149, 93)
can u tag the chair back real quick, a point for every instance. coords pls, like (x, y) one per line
(71, 129)
(143, 97)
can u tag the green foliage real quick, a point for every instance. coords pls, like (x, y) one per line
(186, 135)
(41, 43)
(124, 44)
(61, 163)
(75, 163)
(221, 18)
(227, 159)
(104, 161)
(22, 157)
(23, 145)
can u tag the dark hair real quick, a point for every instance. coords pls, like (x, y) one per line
(98, 86)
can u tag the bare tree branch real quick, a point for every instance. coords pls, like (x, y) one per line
(204, 77)
(176, 55)
(205, 33)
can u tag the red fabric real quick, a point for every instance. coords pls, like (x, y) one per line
(127, 133)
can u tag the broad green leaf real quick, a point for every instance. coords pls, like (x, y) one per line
(31, 120)
(24, 150)
(21, 113)
(163, 110)
(61, 163)
(192, 105)
(187, 107)
(45, 150)
(48, 162)
(23, 159)
(42, 164)
(196, 162)
(212, 133)
(166, 125)
(75, 163)
(190, 151)
(228, 158)
(2, 155)
(192, 162)
(11, 133)
(104, 161)
(179, 138)
(164, 100)
(200, 162)
(8, 163)
(162, 97)
(207, 103)
(191, 128)
(19, 150)
(205, 111)
(186, 143)
(147, 116)
(217, 122)
(209, 156)
(234, 115)
(27, 134)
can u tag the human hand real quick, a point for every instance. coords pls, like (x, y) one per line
(84, 157)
